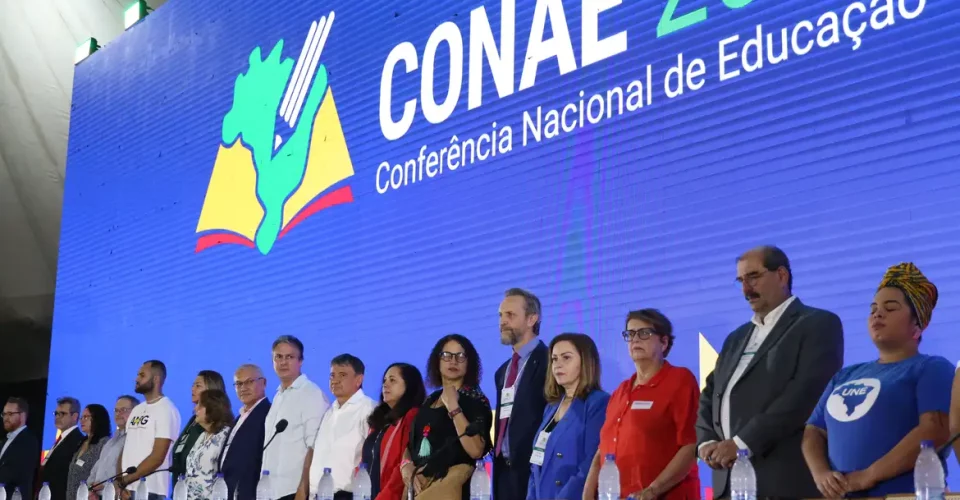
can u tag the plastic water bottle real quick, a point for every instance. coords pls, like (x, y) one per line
(264, 492)
(325, 490)
(220, 491)
(928, 478)
(109, 491)
(82, 491)
(743, 479)
(362, 490)
(480, 482)
(143, 493)
(609, 480)
(3, 491)
(45, 492)
(180, 490)
(16, 494)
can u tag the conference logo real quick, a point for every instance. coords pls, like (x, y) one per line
(852, 400)
(283, 156)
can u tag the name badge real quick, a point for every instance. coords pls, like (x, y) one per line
(641, 405)
(180, 447)
(506, 402)
(536, 458)
(79, 463)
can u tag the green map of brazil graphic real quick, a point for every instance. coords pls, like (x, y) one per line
(261, 186)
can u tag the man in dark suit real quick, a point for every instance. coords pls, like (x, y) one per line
(57, 464)
(241, 457)
(19, 450)
(767, 380)
(520, 399)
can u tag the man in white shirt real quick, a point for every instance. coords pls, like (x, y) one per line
(340, 438)
(151, 428)
(768, 378)
(301, 404)
(242, 457)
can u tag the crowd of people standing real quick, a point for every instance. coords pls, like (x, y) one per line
(779, 393)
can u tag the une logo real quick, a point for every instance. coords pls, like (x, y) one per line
(265, 181)
(852, 400)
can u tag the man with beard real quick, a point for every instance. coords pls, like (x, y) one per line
(151, 428)
(767, 380)
(520, 398)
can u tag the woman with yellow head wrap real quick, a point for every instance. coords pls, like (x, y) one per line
(866, 432)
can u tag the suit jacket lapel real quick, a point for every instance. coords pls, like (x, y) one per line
(787, 319)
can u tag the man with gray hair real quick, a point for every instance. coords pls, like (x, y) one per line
(520, 398)
(56, 465)
(242, 455)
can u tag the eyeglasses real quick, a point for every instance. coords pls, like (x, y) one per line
(460, 357)
(86, 418)
(59, 414)
(641, 334)
(120, 411)
(10, 413)
(752, 278)
(246, 383)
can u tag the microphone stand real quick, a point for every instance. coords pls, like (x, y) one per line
(947, 445)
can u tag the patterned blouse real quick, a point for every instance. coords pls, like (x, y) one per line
(81, 466)
(202, 464)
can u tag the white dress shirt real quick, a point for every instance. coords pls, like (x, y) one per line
(244, 413)
(302, 405)
(339, 442)
(63, 435)
(761, 330)
(10, 437)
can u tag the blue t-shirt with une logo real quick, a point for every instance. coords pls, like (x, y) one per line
(869, 407)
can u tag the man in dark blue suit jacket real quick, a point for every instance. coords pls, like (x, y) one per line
(19, 450)
(520, 398)
(241, 458)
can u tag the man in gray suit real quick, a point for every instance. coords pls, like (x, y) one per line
(767, 380)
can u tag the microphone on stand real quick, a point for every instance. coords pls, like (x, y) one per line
(472, 429)
(130, 470)
(281, 426)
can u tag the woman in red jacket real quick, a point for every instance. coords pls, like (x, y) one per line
(390, 422)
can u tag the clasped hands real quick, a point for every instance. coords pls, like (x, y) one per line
(720, 455)
(835, 484)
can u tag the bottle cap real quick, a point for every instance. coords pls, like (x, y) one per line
(266, 473)
(609, 457)
(44, 483)
(326, 470)
(926, 443)
(742, 453)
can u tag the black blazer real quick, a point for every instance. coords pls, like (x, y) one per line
(774, 397)
(18, 466)
(241, 466)
(55, 470)
(528, 405)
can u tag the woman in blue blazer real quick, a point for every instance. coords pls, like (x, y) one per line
(569, 435)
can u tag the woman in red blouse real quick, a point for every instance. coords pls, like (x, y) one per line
(390, 422)
(651, 418)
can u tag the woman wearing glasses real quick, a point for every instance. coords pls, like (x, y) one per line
(569, 436)
(437, 465)
(95, 424)
(651, 418)
(206, 380)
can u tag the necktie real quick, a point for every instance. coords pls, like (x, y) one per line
(57, 441)
(511, 380)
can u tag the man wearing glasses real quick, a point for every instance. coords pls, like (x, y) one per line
(106, 466)
(241, 458)
(767, 380)
(19, 450)
(56, 464)
(302, 404)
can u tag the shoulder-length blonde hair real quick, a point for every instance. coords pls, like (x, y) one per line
(589, 367)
